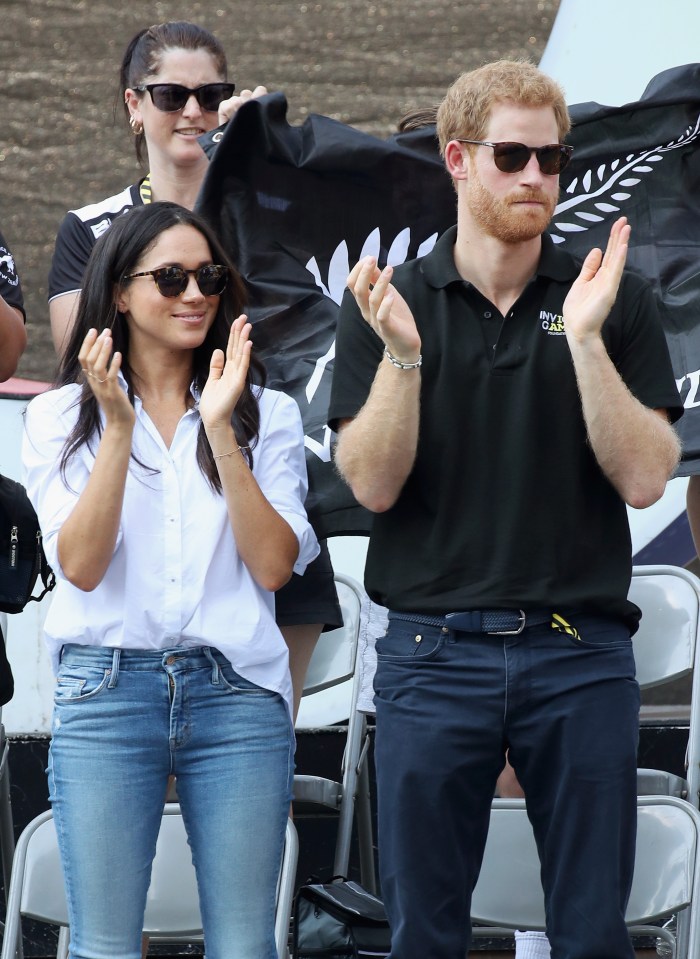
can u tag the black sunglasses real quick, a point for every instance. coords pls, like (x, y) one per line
(171, 97)
(514, 157)
(173, 280)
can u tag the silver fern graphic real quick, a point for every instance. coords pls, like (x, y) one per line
(339, 266)
(601, 192)
(590, 199)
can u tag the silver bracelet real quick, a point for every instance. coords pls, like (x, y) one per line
(402, 366)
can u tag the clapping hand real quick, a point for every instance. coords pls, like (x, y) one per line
(592, 295)
(101, 368)
(227, 377)
(385, 310)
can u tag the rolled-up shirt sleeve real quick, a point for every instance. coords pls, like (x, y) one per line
(279, 466)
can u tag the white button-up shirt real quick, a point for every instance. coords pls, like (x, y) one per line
(175, 578)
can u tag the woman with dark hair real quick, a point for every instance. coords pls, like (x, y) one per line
(169, 485)
(174, 87)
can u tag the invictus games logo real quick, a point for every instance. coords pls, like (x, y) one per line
(552, 323)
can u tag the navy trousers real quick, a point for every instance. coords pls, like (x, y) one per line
(449, 705)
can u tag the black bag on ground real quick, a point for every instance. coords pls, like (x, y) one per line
(334, 920)
(22, 558)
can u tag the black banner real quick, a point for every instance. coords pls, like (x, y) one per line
(297, 206)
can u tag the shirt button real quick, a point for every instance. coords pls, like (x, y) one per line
(487, 315)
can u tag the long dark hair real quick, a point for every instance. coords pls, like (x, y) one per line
(116, 253)
(143, 56)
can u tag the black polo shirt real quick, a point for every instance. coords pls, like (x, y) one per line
(506, 505)
(79, 232)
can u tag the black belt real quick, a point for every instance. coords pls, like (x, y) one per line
(498, 622)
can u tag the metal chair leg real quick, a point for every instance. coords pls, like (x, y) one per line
(365, 838)
(63, 942)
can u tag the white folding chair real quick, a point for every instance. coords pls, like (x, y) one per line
(172, 906)
(664, 649)
(330, 696)
(509, 895)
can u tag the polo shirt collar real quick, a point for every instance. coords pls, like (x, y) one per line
(439, 268)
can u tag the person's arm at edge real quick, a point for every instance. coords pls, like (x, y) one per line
(693, 508)
(636, 447)
(13, 339)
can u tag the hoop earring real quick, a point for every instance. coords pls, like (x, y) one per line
(136, 125)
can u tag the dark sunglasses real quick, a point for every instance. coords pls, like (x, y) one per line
(173, 280)
(171, 97)
(514, 157)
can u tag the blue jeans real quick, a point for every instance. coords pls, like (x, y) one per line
(449, 704)
(123, 721)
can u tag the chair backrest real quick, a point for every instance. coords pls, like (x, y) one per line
(509, 892)
(42, 893)
(327, 695)
(666, 642)
(664, 645)
(172, 905)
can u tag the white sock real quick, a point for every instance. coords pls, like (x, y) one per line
(531, 945)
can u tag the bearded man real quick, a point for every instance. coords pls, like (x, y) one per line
(497, 405)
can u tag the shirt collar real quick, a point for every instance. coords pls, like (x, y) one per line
(440, 270)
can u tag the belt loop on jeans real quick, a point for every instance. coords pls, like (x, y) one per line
(214, 665)
(114, 678)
